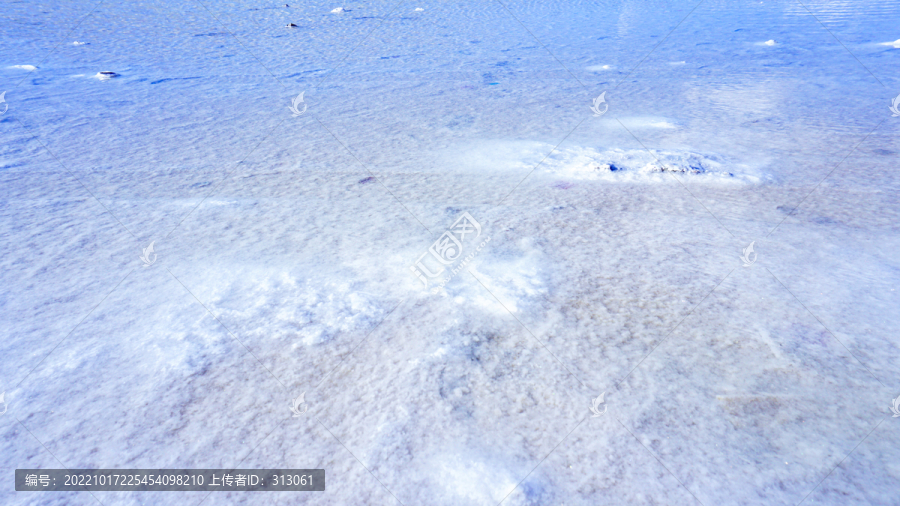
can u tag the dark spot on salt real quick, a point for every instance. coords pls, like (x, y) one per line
(885, 152)
(173, 79)
(366, 180)
(679, 170)
(291, 25)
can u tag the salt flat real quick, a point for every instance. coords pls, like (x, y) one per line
(610, 254)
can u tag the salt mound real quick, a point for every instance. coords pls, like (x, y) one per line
(24, 67)
(337, 10)
(636, 165)
(106, 75)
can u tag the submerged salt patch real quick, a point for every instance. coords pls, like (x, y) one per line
(640, 122)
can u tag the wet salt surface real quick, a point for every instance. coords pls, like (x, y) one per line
(284, 243)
